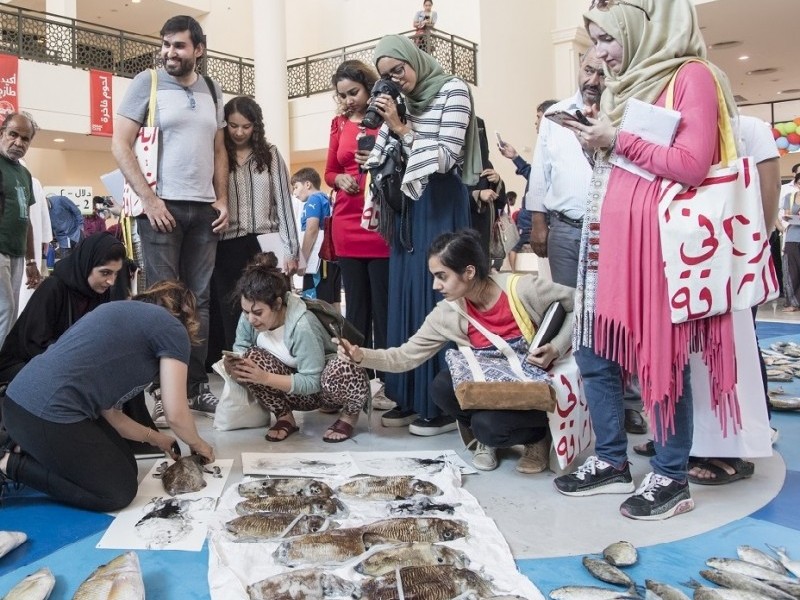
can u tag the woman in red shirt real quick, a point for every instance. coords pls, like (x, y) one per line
(363, 254)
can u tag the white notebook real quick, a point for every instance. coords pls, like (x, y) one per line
(653, 124)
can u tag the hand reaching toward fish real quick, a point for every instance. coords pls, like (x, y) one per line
(166, 443)
(204, 450)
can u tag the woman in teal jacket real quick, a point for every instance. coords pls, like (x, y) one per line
(289, 361)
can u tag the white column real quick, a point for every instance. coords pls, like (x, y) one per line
(56, 34)
(269, 54)
(568, 46)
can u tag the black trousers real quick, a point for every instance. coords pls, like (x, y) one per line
(366, 286)
(85, 464)
(495, 428)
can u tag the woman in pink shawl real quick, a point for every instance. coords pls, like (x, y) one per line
(622, 310)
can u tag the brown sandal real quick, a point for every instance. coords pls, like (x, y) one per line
(281, 425)
(339, 426)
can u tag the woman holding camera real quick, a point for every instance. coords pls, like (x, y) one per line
(440, 141)
(363, 253)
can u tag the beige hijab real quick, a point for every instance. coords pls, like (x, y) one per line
(652, 50)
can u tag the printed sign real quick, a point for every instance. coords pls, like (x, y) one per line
(81, 196)
(9, 66)
(100, 99)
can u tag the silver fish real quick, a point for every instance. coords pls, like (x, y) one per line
(120, 579)
(587, 592)
(785, 403)
(418, 529)
(184, 475)
(793, 589)
(606, 572)
(302, 584)
(706, 593)
(427, 583)
(10, 540)
(295, 505)
(743, 582)
(757, 557)
(36, 586)
(411, 554)
(791, 565)
(662, 591)
(284, 486)
(259, 527)
(746, 568)
(325, 547)
(621, 554)
(398, 487)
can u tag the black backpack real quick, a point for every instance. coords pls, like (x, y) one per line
(387, 177)
(333, 321)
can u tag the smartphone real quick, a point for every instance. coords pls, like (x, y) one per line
(366, 143)
(562, 117)
(337, 333)
(500, 141)
(582, 118)
(232, 354)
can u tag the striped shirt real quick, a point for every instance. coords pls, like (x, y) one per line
(262, 202)
(439, 138)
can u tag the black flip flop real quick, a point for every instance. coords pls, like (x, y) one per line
(742, 469)
(649, 449)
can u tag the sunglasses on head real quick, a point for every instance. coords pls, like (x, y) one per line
(606, 4)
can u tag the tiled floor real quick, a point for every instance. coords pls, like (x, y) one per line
(548, 533)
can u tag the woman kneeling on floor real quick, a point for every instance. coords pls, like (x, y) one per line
(63, 410)
(460, 270)
(289, 359)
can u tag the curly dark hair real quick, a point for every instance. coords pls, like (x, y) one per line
(354, 70)
(179, 301)
(262, 150)
(263, 281)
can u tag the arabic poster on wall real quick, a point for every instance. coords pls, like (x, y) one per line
(9, 66)
(81, 196)
(100, 98)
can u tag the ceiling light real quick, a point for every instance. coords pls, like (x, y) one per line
(136, 1)
(59, 140)
(744, 57)
(767, 71)
(725, 45)
(790, 91)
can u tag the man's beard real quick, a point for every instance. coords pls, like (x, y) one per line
(183, 68)
(591, 93)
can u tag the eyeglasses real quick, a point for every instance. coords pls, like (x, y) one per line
(396, 72)
(606, 4)
(190, 96)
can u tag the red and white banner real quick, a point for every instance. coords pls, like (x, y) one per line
(100, 99)
(9, 68)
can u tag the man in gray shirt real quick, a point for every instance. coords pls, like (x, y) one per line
(188, 209)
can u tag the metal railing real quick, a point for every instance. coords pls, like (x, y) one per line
(312, 74)
(49, 38)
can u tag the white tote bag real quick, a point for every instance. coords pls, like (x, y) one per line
(570, 425)
(236, 408)
(145, 148)
(713, 237)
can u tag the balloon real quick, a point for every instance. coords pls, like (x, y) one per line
(781, 128)
(789, 127)
(775, 133)
(794, 139)
(797, 121)
(794, 147)
(782, 143)
(783, 151)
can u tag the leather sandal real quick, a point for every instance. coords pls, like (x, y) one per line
(281, 425)
(648, 449)
(720, 469)
(341, 427)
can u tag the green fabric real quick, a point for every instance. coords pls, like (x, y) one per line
(430, 79)
(652, 50)
(17, 192)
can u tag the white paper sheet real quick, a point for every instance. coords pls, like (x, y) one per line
(398, 463)
(235, 565)
(298, 464)
(653, 124)
(183, 521)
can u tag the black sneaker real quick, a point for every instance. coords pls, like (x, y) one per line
(435, 426)
(658, 498)
(595, 476)
(397, 417)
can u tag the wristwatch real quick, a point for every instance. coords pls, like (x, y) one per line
(408, 138)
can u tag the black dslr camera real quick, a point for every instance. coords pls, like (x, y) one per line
(373, 119)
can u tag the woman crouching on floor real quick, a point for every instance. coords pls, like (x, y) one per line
(461, 274)
(289, 361)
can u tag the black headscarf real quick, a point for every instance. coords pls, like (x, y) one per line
(74, 269)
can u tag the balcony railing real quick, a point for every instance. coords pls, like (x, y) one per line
(312, 74)
(49, 38)
(45, 37)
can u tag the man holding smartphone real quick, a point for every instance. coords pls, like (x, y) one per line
(558, 185)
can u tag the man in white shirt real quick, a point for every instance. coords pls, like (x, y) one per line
(559, 179)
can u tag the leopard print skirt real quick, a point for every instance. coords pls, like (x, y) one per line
(345, 386)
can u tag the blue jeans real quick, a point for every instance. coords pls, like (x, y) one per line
(186, 253)
(602, 383)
